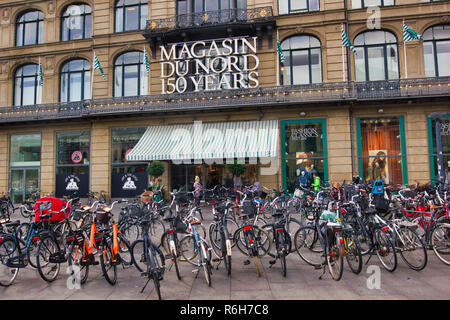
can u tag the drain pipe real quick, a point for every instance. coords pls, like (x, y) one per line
(350, 115)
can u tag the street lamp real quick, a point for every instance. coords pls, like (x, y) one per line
(437, 117)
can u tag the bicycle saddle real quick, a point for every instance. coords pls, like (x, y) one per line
(195, 221)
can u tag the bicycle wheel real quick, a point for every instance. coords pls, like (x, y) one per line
(282, 251)
(308, 246)
(385, 250)
(74, 260)
(262, 239)
(175, 263)
(156, 231)
(138, 255)
(47, 258)
(131, 232)
(8, 249)
(412, 248)
(25, 213)
(124, 251)
(206, 263)
(335, 261)
(291, 228)
(109, 267)
(189, 250)
(215, 239)
(353, 253)
(440, 241)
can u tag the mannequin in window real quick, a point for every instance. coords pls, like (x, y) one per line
(378, 168)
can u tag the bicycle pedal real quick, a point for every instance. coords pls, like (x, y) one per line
(216, 260)
(246, 262)
(317, 267)
(195, 271)
(272, 261)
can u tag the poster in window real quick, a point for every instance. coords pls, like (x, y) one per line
(378, 166)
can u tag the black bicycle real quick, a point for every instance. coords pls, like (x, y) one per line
(147, 257)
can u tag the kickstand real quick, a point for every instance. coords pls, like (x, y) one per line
(370, 256)
(220, 261)
(196, 271)
(320, 278)
(145, 285)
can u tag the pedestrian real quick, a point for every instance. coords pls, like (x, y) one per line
(316, 182)
(198, 191)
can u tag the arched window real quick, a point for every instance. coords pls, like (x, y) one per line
(131, 15)
(376, 56)
(30, 28)
(294, 6)
(75, 80)
(26, 85)
(129, 75)
(436, 50)
(76, 22)
(303, 63)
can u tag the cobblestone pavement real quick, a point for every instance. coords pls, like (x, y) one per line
(302, 283)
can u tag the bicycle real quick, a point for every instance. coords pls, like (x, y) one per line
(147, 257)
(219, 235)
(194, 246)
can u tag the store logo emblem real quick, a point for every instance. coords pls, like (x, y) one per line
(304, 133)
(71, 183)
(130, 182)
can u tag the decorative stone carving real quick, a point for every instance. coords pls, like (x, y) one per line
(6, 14)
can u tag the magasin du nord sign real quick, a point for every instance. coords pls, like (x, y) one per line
(229, 63)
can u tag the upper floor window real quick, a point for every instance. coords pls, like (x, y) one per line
(303, 64)
(129, 75)
(75, 80)
(30, 28)
(76, 22)
(227, 10)
(294, 6)
(26, 85)
(436, 50)
(376, 56)
(131, 15)
(356, 4)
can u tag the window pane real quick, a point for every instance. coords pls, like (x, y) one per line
(360, 65)
(299, 5)
(314, 5)
(372, 3)
(119, 20)
(287, 69)
(30, 33)
(445, 135)
(283, 6)
(443, 57)
(118, 82)
(25, 150)
(375, 60)
(392, 61)
(18, 92)
(87, 23)
(68, 142)
(64, 87)
(87, 85)
(212, 5)
(29, 90)
(144, 16)
(131, 81)
(75, 86)
(300, 67)
(300, 172)
(131, 18)
(356, 4)
(182, 7)
(41, 32)
(429, 59)
(316, 66)
(380, 137)
(303, 140)
(19, 35)
(124, 139)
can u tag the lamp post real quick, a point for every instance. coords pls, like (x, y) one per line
(437, 117)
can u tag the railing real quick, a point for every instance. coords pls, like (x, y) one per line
(208, 18)
(328, 92)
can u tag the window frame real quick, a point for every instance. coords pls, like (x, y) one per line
(82, 16)
(36, 29)
(36, 86)
(140, 65)
(289, 51)
(290, 11)
(433, 42)
(384, 45)
(124, 7)
(431, 154)
(83, 75)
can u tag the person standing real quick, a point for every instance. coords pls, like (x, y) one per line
(198, 191)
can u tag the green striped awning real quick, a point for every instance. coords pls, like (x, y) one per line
(216, 140)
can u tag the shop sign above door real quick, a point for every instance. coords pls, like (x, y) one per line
(229, 63)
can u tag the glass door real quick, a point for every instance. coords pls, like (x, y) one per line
(24, 182)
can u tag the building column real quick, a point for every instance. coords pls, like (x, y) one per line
(48, 161)
(100, 158)
(4, 162)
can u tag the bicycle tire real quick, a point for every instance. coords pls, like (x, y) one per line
(414, 244)
(308, 246)
(440, 242)
(225, 255)
(335, 261)
(156, 231)
(189, 250)
(109, 268)
(24, 213)
(175, 262)
(282, 252)
(8, 275)
(124, 251)
(265, 245)
(384, 248)
(154, 272)
(206, 263)
(46, 247)
(75, 257)
(353, 254)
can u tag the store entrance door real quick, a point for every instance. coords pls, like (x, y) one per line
(23, 183)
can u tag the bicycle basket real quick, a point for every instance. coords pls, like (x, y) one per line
(102, 217)
(147, 196)
(180, 226)
(249, 207)
(381, 204)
